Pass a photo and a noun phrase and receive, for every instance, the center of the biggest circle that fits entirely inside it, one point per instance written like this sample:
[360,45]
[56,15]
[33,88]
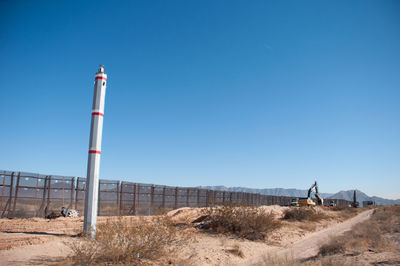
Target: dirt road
[309,246]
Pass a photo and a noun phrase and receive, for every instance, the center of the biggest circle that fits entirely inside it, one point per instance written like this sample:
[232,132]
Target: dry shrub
[120,242]
[303,214]
[339,208]
[161,211]
[247,222]
[236,250]
[345,213]
[334,246]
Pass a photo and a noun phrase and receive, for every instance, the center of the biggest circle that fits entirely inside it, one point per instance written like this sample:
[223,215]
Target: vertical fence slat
[71,199]
[121,198]
[16,194]
[152,199]
[135,198]
[2,190]
[176,198]
[8,204]
[163,197]
[198,197]
[187,196]
[46,210]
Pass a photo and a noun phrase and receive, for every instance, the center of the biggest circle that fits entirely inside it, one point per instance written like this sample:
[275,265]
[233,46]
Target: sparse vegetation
[369,235]
[304,214]
[247,222]
[345,213]
[121,242]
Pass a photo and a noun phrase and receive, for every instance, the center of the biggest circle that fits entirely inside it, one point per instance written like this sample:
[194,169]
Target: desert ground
[40,241]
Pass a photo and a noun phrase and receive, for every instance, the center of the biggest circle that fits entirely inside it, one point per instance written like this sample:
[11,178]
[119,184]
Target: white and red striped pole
[92,180]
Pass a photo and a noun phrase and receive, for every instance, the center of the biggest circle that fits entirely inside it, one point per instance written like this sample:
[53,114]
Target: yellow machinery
[308,201]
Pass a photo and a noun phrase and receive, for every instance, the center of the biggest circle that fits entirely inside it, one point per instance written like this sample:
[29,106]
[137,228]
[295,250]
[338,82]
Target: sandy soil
[40,241]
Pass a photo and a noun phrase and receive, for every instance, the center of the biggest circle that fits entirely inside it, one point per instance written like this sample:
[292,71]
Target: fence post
[135,198]
[163,197]
[48,195]
[187,196]
[223,197]
[40,211]
[37,186]
[121,199]
[198,197]
[16,194]
[8,204]
[118,196]
[71,202]
[2,190]
[176,197]
[99,197]
[77,194]
[151,200]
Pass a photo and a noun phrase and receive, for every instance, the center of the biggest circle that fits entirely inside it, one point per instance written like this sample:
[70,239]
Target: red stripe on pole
[97,113]
[94,151]
[101,78]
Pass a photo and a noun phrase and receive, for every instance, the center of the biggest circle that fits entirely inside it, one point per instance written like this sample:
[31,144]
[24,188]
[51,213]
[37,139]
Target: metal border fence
[35,195]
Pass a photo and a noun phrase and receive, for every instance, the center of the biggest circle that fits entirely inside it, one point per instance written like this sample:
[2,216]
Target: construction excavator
[308,201]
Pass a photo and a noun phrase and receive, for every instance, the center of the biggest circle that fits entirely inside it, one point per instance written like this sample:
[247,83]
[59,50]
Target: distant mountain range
[361,196]
[291,192]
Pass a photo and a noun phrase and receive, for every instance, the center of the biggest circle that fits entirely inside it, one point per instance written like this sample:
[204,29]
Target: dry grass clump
[236,250]
[121,242]
[333,247]
[247,222]
[303,214]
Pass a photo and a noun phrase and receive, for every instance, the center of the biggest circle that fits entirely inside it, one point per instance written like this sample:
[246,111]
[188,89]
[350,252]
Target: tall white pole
[92,180]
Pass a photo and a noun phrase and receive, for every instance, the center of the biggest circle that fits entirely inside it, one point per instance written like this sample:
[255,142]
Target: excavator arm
[310,189]
[308,201]
[320,200]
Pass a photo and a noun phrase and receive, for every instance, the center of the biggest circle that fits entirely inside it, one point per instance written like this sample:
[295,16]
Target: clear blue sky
[235,93]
